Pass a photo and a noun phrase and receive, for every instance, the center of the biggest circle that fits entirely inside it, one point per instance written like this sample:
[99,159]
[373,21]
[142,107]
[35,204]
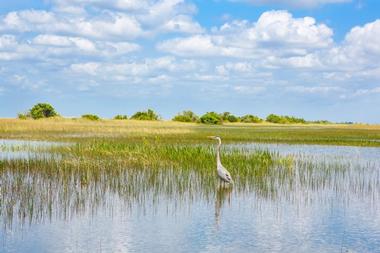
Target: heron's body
[223,173]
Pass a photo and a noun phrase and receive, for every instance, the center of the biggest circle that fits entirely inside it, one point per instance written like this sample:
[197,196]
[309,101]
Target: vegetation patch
[90,117]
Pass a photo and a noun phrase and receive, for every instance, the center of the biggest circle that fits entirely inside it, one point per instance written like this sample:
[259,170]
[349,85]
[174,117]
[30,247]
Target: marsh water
[327,201]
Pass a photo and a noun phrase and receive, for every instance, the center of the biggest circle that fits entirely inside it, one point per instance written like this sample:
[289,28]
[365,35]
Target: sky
[316,59]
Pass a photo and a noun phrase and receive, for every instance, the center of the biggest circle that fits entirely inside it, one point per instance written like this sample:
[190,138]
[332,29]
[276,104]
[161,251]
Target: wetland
[132,186]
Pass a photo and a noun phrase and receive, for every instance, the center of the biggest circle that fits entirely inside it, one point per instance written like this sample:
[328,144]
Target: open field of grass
[134,159]
[166,131]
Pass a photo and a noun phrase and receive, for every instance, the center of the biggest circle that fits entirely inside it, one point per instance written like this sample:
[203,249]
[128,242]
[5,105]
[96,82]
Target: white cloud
[357,55]
[107,20]
[275,33]
[106,26]
[90,68]
[46,46]
[295,3]
[11,49]
[281,29]
[200,45]
[249,89]
[364,42]
[138,71]
[183,24]
[314,89]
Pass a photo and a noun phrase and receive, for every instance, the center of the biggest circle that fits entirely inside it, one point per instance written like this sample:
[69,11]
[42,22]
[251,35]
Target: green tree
[23,115]
[120,117]
[284,119]
[250,119]
[90,117]
[186,116]
[145,115]
[212,118]
[232,118]
[42,110]
[227,116]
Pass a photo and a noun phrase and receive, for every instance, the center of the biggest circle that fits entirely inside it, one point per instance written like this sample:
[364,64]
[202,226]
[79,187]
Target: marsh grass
[143,162]
[133,130]
[91,173]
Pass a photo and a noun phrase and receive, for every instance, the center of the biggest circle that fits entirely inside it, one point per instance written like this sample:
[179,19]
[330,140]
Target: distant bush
[320,122]
[120,117]
[250,119]
[148,115]
[42,110]
[227,116]
[186,116]
[90,117]
[273,118]
[23,116]
[211,118]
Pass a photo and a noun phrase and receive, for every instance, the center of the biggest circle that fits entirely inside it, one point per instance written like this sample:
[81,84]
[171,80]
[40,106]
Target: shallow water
[330,202]
[24,149]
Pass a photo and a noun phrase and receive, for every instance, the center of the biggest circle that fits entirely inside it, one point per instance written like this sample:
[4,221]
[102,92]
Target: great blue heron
[223,174]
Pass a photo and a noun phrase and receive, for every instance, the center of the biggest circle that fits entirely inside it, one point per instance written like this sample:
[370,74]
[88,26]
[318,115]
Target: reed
[77,129]
[138,162]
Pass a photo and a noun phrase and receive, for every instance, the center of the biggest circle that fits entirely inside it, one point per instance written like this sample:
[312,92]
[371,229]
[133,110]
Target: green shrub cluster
[42,110]
[90,117]
[120,117]
[228,117]
[23,115]
[186,116]
[145,115]
[250,119]
[273,118]
[211,118]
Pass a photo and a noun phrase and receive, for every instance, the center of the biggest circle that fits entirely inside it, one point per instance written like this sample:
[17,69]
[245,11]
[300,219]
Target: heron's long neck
[218,154]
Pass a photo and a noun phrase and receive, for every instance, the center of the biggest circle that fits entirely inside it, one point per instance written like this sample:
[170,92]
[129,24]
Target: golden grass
[78,129]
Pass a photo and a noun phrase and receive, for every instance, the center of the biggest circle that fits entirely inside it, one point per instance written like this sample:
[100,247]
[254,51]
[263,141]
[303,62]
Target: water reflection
[306,207]
[25,149]
[223,196]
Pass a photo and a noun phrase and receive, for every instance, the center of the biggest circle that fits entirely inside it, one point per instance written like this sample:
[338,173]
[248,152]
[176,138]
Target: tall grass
[145,161]
[78,129]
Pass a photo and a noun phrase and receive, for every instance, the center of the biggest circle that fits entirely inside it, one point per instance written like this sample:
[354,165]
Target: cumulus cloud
[137,71]
[102,41]
[275,31]
[294,3]
[105,26]
[361,46]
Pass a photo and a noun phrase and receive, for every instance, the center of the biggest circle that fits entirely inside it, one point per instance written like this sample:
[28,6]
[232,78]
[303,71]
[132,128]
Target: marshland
[129,185]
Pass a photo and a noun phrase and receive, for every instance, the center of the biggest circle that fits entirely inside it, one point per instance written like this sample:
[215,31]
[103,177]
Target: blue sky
[317,59]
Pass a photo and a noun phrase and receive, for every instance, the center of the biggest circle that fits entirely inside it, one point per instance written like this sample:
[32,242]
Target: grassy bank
[169,132]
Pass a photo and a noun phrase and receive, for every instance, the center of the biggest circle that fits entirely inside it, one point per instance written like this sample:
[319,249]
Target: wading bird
[223,174]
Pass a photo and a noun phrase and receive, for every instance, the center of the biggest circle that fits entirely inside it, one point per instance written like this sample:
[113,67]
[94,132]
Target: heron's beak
[211,137]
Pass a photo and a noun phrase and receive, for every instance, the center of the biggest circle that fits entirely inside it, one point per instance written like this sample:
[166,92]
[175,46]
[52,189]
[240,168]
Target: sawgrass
[143,161]
[60,129]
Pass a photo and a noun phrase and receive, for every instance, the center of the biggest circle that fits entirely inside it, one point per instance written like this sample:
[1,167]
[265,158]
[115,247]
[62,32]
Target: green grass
[174,132]
[145,161]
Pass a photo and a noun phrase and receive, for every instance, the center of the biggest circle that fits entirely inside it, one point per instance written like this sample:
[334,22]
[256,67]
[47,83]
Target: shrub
[42,110]
[284,119]
[23,115]
[320,122]
[250,119]
[90,117]
[227,116]
[212,118]
[232,118]
[148,115]
[186,116]
[120,117]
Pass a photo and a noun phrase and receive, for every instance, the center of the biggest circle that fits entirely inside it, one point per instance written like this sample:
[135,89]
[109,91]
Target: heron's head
[215,138]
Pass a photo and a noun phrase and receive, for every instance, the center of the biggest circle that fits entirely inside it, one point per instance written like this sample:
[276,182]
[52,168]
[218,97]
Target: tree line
[45,110]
